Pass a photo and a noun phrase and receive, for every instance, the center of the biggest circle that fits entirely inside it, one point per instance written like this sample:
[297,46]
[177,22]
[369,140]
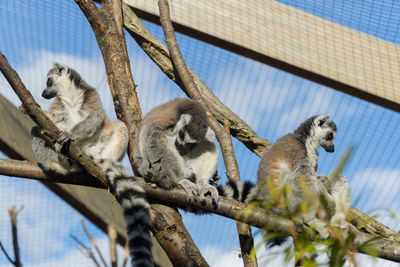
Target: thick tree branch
[107,27]
[113,48]
[223,135]
[160,55]
[388,247]
[33,110]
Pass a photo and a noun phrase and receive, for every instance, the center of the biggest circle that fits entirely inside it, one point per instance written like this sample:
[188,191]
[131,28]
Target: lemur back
[78,113]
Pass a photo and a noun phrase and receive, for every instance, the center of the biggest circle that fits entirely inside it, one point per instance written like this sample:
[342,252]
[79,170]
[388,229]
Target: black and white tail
[246,192]
[239,190]
[132,198]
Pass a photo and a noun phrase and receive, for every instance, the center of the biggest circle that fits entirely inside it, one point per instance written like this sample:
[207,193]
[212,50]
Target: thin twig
[6,254]
[93,243]
[88,251]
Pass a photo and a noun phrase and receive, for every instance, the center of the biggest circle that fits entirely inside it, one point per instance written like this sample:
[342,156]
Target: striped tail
[238,190]
[132,198]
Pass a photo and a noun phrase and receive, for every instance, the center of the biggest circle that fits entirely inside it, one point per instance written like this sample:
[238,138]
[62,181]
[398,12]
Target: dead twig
[93,243]
[87,251]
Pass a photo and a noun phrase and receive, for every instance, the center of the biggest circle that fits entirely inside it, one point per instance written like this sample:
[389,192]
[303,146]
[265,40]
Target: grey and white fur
[290,157]
[79,115]
[176,147]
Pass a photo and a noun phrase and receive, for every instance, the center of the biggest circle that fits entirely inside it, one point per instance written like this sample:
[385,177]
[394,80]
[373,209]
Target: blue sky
[34,34]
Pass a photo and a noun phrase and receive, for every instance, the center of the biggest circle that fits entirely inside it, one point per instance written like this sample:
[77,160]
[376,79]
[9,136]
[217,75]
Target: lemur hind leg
[50,160]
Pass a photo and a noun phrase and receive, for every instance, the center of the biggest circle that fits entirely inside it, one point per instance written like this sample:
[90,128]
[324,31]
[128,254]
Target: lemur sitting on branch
[79,115]
[290,160]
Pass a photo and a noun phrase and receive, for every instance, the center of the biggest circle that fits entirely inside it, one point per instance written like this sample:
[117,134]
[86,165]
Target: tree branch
[223,135]
[88,251]
[160,55]
[113,48]
[33,110]
[388,247]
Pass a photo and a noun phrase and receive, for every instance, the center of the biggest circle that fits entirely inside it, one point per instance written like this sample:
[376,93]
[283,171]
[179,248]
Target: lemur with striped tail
[78,113]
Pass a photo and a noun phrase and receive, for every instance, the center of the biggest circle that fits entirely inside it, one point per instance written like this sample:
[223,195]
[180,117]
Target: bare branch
[387,247]
[223,134]
[36,114]
[93,243]
[87,251]
[112,235]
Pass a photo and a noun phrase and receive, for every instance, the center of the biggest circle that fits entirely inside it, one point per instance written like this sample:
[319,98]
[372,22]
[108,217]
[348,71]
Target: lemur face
[325,132]
[55,76]
[190,129]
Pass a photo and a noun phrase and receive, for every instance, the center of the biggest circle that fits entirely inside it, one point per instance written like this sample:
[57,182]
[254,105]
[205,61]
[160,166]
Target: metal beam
[291,40]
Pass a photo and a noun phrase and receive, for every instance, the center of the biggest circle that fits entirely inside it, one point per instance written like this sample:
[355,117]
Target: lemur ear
[59,67]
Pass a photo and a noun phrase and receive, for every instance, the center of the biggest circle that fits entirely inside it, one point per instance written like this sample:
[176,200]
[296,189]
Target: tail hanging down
[132,198]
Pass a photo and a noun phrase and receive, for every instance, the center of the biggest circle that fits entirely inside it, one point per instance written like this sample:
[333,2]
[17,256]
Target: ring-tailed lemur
[290,157]
[175,146]
[79,115]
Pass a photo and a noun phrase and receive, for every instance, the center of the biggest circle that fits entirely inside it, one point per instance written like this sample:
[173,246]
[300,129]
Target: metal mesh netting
[34,34]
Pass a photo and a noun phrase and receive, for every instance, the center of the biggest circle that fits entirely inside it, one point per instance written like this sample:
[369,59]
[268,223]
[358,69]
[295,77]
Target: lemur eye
[49,82]
[181,135]
[321,122]
[329,137]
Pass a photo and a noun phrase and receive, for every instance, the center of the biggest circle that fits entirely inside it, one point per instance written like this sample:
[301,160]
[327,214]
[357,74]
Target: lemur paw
[191,189]
[63,138]
[207,189]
